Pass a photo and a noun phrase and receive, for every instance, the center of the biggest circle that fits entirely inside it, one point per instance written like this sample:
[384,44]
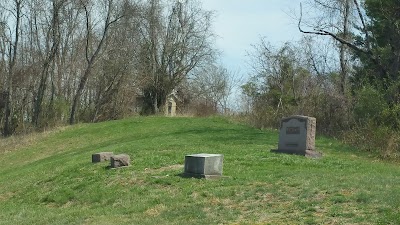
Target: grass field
[49,178]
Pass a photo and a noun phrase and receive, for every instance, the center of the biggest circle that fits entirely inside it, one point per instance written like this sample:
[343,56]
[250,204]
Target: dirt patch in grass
[6,196]
[156,211]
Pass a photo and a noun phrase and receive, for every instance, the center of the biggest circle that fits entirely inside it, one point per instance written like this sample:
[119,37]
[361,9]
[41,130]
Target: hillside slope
[53,181]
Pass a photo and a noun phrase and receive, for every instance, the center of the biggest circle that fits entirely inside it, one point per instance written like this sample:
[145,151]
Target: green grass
[51,180]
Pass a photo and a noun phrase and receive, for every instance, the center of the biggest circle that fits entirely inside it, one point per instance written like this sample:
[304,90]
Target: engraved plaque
[292,130]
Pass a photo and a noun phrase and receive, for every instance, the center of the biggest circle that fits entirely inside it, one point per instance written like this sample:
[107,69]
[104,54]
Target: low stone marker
[203,165]
[297,136]
[101,157]
[120,161]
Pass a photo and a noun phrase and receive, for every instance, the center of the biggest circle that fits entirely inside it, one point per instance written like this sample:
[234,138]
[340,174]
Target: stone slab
[101,157]
[203,165]
[120,161]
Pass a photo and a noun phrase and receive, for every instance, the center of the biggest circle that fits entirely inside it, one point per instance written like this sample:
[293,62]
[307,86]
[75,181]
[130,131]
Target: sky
[240,23]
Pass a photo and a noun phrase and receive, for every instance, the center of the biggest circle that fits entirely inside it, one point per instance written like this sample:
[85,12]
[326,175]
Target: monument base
[202,176]
[306,153]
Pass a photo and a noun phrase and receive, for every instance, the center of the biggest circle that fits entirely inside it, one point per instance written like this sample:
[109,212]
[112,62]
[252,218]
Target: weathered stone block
[203,165]
[120,160]
[101,157]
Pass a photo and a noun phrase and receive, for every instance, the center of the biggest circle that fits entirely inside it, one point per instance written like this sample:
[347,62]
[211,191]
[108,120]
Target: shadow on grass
[108,167]
[200,176]
[186,176]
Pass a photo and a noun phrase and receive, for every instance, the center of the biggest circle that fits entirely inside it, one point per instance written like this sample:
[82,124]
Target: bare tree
[53,36]
[334,18]
[278,70]
[115,83]
[44,81]
[346,9]
[91,57]
[13,44]
[174,48]
[214,85]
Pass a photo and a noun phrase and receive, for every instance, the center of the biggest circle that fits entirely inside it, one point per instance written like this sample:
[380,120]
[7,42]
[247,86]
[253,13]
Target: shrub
[374,138]
[390,116]
[369,105]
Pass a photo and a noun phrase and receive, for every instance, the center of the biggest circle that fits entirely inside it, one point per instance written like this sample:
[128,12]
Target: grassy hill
[50,179]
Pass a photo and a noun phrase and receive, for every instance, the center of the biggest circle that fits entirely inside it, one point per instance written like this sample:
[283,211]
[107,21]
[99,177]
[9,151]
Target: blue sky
[241,23]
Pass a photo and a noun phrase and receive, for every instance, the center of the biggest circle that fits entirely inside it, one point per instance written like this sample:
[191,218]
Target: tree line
[69,61]
[345,71]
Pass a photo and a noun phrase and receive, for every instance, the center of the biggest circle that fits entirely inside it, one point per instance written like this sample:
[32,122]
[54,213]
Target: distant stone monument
[120,161]
[170,105]
[101,157]
[203,165]
[297,136]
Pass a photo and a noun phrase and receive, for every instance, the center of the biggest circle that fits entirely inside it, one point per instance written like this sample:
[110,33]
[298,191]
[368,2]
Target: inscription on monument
[292,130]
[292,144]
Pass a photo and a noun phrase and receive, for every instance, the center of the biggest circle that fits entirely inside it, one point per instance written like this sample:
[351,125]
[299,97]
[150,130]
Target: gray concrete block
[203,165]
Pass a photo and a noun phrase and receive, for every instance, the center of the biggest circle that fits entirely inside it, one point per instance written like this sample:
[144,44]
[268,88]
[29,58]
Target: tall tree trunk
[8,123]
[343,47]
[154,52]
[155,102]
[48,61]
[79,91]
[92,59]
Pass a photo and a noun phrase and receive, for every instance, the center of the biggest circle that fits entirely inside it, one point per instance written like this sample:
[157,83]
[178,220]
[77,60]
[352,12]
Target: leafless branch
[343,41]
[363,24]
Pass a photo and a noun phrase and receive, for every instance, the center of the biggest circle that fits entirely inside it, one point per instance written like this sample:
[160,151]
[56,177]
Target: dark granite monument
[101,157]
